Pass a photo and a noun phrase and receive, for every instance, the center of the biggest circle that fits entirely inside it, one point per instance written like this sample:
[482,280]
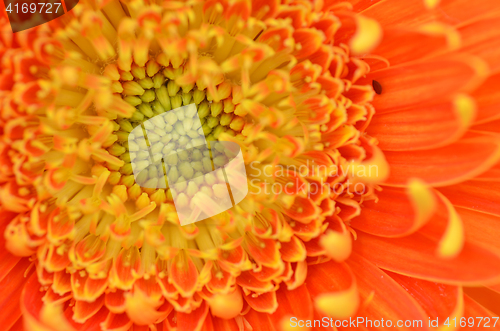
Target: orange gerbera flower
[371,139]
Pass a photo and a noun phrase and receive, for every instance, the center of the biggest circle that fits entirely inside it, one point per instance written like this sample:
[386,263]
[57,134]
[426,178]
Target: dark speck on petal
[377,87]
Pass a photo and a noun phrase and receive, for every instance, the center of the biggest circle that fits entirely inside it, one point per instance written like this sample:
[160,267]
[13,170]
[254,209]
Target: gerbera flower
[377,119]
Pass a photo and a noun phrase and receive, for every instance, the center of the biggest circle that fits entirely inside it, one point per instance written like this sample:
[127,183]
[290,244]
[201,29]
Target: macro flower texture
[378,120]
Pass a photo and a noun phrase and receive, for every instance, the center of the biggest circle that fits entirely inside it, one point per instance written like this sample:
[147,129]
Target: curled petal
[415,256]
[226,306]
[367,37]
[265,302]
[142,309]
[85,310]
[40,317]
[397,212]
[334,289]
[429,127]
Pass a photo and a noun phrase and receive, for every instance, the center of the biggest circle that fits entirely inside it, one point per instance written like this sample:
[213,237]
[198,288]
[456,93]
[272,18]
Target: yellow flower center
[153,91]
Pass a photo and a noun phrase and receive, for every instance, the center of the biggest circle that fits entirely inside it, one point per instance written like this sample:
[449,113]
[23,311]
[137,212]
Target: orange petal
[423,127]
[8,259]
[332,86]
[337,241]
[232,259]
[315,110]
[373,169]
[322,57]
[307,42]
[194,320]
[264,251]
[299,275]
[62,282]
[445,226]
[12,286]
[375,287]
[479,38]
[51,260]
[221,280]
[32,302]
[185,305]
[490,126]
[360,94]
[298,74]
[263,320]
[85,310]
[342,136]
[334,289]
[293,251]
[480,228]
[314,248]
[475,195]
[295,13]
[18,326]
[240,9]
[208,324]
[85,288]
[427,81]
[39,316]
[267,274]
[397,212]
[264,303]
[90,249]
[412,13]
[475,310]
[447,300]
[264,9]
[356,113]
[115,301]
[415,256]
[295,303]
[401,45]
[487,97]
[495,287]
[92,324]
[115,322]
[307,231]
[357,68]
[141,306]
[248,281]
[183,274]
[303,210]
[126,268]
[225,324]
[467,158]
[17,238]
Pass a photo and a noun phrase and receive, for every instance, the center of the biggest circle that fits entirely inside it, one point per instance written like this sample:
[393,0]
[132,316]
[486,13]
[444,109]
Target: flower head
[369,142]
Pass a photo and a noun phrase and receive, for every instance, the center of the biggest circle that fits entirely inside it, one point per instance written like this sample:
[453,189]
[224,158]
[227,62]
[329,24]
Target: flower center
[154,92]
